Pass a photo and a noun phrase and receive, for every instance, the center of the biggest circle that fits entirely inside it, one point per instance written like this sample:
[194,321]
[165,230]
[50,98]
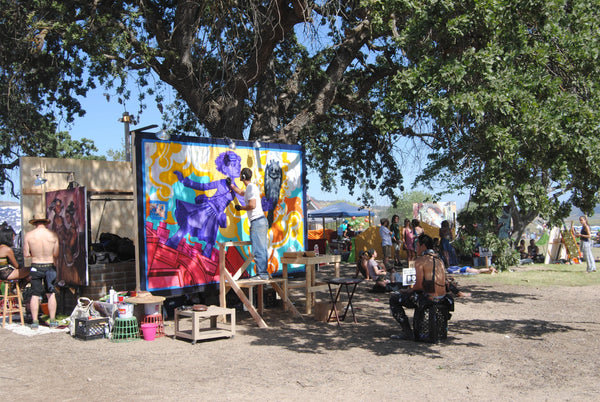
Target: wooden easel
[233,281]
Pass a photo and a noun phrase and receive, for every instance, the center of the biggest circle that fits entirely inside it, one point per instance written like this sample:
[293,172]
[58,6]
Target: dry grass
[539,275]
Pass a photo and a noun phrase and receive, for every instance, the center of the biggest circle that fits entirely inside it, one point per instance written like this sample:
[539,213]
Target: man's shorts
[43,279]
[387,251]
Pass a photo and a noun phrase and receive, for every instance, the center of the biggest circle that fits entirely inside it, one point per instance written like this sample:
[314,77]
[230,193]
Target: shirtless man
[430,280]
[41,245]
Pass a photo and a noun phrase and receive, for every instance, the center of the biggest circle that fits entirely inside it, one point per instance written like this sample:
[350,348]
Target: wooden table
[311,261]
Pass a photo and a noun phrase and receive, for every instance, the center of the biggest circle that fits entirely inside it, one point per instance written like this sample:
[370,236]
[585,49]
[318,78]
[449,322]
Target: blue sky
[101,124]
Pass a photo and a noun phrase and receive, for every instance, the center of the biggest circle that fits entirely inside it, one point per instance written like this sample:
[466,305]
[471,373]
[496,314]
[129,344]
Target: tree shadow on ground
[484,293]
[525,329]
[375,326]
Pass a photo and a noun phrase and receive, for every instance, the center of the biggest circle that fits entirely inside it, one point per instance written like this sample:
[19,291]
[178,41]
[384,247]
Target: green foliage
[504,256]
[505,94]
[500,96]
[478,227]
[39,79]
[404,204]
[465,244]
[117,154]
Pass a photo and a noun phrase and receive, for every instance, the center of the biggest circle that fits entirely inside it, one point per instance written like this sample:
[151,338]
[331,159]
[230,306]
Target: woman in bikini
[9,267]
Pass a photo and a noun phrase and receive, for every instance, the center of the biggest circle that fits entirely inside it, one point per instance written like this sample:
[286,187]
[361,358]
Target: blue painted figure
[203,218]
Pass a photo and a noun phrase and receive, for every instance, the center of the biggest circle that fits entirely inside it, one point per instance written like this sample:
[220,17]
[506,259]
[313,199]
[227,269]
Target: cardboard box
[322,310]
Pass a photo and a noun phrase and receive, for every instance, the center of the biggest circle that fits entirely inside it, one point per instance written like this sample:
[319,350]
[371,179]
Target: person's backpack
[125,249]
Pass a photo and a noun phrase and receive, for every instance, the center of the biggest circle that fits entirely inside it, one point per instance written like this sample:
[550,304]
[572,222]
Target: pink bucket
[149,331]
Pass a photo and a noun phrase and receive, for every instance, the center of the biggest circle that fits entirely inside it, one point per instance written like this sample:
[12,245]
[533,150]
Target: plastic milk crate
[95,328]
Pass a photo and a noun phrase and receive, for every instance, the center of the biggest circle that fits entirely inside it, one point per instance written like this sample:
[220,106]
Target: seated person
[361,265]
[430,282]
[376,270]
[523,253]
[385,281]
[436,245]
[343,231]
[533,251]
[9,267]
[522,250]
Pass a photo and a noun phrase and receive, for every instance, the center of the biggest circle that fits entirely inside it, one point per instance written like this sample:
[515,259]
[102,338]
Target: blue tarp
[339,210]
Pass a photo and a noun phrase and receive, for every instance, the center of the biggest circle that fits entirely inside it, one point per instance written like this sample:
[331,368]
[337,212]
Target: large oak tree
[508,95]
[500,95]
[38,82]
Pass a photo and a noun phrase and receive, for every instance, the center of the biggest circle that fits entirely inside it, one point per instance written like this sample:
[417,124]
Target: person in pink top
[409,240]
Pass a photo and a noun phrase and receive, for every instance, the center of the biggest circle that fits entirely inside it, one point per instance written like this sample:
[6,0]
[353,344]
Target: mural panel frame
[185,208]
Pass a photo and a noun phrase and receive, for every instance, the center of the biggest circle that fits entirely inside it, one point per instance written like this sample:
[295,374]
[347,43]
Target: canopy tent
[339,210]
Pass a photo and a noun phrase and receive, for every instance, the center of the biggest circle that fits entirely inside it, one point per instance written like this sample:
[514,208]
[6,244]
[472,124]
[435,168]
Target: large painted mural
[66,210]
[186,209]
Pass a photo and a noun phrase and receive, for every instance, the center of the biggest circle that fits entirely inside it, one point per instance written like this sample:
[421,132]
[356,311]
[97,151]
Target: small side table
[342,282]
[198,332]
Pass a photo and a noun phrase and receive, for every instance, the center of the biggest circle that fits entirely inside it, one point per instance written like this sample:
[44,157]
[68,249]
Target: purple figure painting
[203,218]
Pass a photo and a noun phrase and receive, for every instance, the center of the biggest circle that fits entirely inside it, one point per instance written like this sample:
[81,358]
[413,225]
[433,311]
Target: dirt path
[505,343]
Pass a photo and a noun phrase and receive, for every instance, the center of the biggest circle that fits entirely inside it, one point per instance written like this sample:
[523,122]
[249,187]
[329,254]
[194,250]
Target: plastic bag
[83,309]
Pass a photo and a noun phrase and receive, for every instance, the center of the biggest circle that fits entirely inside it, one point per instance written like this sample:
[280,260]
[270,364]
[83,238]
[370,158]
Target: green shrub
[504,256]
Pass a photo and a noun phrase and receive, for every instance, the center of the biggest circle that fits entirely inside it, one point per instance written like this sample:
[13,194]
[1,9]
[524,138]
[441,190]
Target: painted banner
[435,213]
[66,210]
[186,209]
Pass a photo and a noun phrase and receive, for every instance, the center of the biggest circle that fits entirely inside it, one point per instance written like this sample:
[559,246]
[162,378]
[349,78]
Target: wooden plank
[321,259]
[204,334]
[222,288]
[285,297]
[249,283]
[241,270]
[227,280]
[240,293]
[318,288]
[296,284]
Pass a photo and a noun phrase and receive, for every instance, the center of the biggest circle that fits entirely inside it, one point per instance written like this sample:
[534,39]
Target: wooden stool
[11,303]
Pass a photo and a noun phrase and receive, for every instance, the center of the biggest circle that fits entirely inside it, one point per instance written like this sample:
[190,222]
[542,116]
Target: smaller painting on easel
[568,240]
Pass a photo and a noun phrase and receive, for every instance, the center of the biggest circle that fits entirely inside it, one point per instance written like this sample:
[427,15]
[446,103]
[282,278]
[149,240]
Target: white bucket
[125,310]
[151,308]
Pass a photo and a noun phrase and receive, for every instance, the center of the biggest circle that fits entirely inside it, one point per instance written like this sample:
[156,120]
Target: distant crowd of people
[395,238]
[529,254]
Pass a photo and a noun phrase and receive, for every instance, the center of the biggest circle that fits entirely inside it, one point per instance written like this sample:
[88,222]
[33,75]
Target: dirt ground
[505,343]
